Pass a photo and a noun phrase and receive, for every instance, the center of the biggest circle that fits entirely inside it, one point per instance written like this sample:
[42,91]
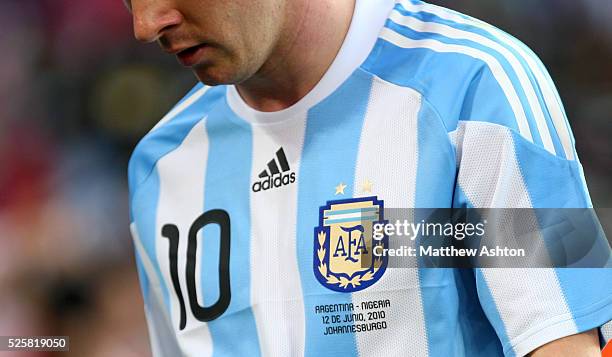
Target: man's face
[223,41]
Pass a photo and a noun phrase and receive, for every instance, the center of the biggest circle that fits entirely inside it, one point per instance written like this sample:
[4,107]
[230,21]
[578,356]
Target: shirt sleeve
[505,160]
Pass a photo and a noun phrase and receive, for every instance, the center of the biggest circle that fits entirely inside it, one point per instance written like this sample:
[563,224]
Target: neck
[302,55]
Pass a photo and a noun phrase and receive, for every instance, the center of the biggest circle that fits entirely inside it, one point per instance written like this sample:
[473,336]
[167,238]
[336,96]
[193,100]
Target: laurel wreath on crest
[342,281]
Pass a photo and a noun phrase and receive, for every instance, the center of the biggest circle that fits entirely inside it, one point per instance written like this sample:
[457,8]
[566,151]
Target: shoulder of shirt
[170,131]
[454,60]
[439,53]
[412,51]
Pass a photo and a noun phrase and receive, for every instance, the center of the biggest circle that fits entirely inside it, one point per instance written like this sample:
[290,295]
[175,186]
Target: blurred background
[76,94]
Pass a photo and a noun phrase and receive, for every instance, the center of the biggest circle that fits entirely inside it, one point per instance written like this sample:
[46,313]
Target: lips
[191,55]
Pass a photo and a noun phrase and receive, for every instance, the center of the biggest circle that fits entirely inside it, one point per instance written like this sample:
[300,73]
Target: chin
[216,75]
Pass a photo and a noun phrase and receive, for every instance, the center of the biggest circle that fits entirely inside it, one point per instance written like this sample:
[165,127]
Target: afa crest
[344,257]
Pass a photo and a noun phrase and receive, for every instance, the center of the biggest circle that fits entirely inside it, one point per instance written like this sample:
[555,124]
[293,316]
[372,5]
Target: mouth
[192,55]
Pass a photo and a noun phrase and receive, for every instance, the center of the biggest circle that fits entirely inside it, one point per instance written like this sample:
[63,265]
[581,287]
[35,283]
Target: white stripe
[181,107]
[156,315]
[529,302]
[450,32]
[490,177]
[276,289]
[358,216]
[496,68]
[489,173]
[181,201]
[548,90]
[152,327]
[387,157]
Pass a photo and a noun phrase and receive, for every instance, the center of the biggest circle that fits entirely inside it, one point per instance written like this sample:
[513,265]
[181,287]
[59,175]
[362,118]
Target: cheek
[258,43]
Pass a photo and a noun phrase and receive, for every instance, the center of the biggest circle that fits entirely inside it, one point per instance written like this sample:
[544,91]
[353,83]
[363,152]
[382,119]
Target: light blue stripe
[487,334]
[445,293]
[551,182]
[344,220]
[336,122]
[227,187]
[353,210]
[437,165]
[588,293]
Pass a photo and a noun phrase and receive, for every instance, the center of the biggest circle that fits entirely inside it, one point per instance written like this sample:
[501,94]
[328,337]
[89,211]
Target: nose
[152,20]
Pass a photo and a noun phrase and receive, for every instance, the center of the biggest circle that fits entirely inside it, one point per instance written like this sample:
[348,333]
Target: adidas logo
[273,176]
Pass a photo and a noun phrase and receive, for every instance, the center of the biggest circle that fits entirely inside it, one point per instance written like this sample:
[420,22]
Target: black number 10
[171,232]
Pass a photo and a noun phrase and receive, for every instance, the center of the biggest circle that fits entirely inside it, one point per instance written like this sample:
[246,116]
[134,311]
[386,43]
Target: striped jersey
[242,220]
